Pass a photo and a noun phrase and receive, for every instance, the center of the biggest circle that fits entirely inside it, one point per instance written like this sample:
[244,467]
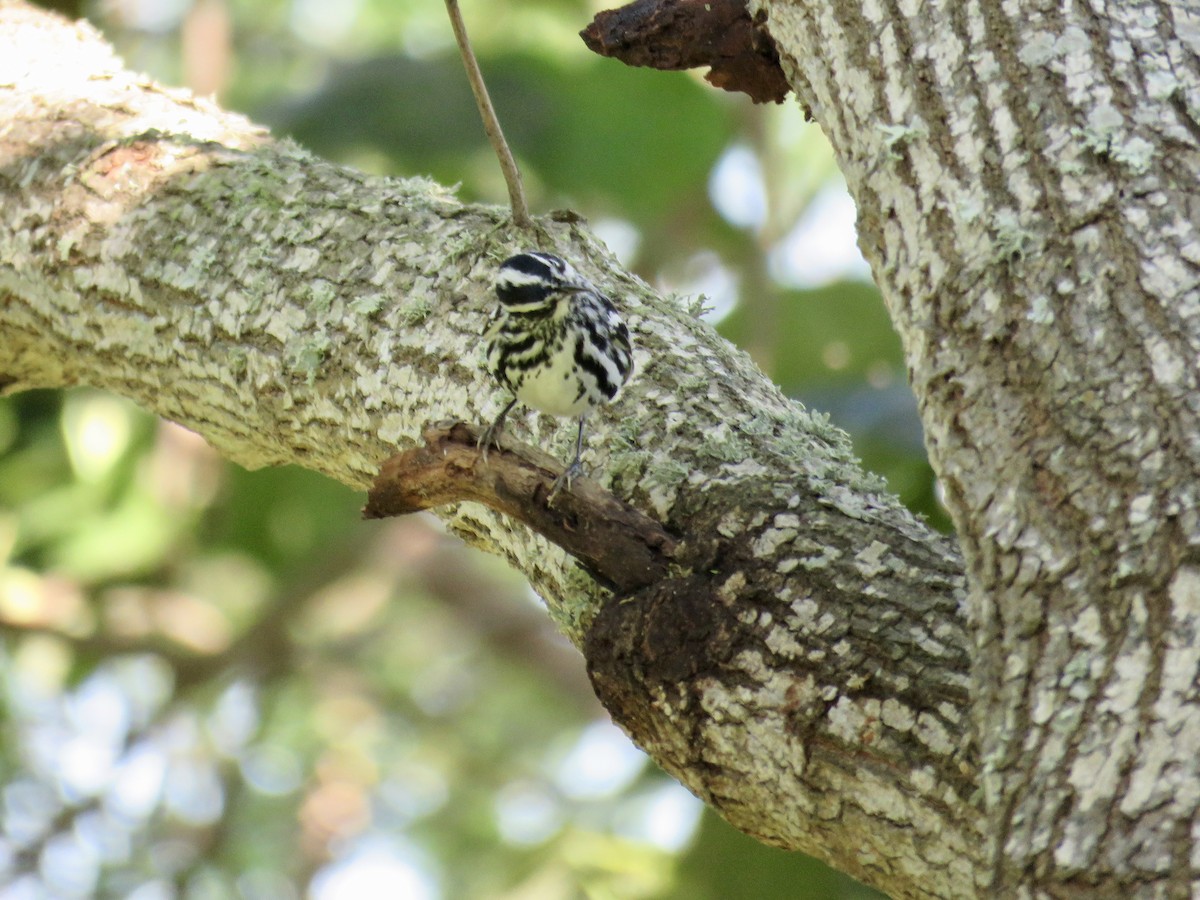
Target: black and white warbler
[557,343]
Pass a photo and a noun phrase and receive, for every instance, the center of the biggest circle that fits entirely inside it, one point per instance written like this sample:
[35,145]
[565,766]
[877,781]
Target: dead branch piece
[686,34]
[615,543]
[491,123]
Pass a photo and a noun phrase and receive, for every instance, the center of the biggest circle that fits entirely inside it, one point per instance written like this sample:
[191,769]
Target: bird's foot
[490,438]
[574,470]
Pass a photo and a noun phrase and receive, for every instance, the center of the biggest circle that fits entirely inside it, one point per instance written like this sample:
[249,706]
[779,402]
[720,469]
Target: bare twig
[616,543]
[491,124]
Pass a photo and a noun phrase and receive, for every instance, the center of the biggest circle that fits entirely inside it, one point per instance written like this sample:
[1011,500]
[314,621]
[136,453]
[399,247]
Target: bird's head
[530,282]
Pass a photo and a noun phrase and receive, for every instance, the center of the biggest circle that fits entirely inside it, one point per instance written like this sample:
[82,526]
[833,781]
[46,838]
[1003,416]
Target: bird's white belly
[554,388]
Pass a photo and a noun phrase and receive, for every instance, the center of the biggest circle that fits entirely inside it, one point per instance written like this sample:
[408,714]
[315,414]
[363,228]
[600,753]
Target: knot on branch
[657,643]
[618,545]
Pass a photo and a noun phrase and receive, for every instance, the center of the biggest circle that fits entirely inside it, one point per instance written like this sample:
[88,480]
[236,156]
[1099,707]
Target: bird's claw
[491,437]
[487,440]
[574,470]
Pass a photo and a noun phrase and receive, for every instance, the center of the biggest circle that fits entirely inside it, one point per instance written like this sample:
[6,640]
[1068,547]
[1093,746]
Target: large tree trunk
[804,666]
[1028,183]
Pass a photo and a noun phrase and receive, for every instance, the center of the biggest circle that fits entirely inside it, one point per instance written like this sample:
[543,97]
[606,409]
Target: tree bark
[1026,176]
[1026,183]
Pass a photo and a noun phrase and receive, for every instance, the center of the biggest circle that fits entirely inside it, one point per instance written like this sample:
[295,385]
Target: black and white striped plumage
[556,342]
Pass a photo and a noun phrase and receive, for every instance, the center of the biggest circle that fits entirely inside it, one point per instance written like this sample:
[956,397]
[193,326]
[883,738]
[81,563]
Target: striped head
[534,282]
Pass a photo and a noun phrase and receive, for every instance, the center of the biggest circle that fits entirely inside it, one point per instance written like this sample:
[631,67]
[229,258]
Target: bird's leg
[491,437]
[573,470]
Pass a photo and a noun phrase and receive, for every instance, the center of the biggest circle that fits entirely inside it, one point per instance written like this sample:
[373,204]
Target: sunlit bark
[1026,176]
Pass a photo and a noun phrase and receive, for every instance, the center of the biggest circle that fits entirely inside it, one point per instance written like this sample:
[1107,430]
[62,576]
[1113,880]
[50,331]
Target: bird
[557,343]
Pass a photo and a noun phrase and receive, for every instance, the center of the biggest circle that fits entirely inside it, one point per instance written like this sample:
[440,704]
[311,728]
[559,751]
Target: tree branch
[620,547]
[803,663]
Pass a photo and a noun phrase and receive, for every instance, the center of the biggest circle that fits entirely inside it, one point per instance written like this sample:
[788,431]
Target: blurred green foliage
[568,127]
[219,683]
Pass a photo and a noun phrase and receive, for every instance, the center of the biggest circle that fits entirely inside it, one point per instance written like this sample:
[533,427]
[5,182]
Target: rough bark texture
[804,666]
[1026,176]
[687,34]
